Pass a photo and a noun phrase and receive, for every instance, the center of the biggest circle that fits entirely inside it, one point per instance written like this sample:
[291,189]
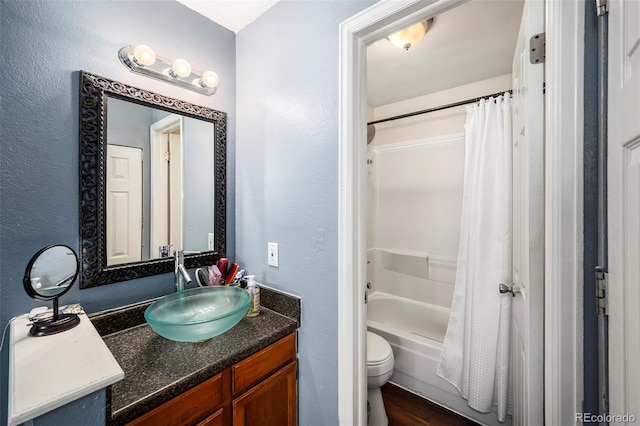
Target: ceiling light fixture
[410,36]
[142,59]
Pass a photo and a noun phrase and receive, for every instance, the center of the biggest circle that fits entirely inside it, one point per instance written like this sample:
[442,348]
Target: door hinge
[167,156]
[601,291]
[601,7]
[537,48]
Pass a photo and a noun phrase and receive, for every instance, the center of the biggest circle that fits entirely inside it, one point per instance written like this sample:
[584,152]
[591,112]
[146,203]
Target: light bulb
[409,36]
[210,79]
[181,68]
[144,55]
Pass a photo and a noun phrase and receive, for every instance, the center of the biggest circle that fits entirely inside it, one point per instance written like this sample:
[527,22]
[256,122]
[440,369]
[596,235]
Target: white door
[124,204]
[527,352]
[624,208]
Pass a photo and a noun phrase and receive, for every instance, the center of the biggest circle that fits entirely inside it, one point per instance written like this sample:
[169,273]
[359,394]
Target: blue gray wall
[287,176]
[85,411]
[43,46]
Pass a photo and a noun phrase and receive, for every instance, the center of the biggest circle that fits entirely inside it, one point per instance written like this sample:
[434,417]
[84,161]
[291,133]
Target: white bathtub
[411,320]
[415,331]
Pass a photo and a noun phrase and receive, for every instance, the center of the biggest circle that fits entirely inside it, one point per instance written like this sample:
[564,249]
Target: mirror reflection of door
[177,201]
[124,204]
[166,184]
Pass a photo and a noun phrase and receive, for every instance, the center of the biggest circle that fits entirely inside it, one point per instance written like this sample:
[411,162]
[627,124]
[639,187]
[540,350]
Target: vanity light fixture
[411,35]
[142,59]
[180,68]
[144,55]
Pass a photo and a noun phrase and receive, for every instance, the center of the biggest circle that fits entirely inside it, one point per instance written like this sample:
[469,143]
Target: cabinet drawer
[190,407]
[260,365]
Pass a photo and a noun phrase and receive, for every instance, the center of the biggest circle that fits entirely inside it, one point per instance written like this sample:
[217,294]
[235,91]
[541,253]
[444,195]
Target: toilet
[379,369]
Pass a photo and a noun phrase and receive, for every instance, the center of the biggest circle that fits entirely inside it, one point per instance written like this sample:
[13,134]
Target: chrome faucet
[182,278]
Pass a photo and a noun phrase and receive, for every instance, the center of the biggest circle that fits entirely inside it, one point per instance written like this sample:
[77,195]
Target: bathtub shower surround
[475,353]
[409,308]
[415,195]
[413,261]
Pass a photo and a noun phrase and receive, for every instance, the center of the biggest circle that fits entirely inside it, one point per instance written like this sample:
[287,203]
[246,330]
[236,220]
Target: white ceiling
[468,43]
[471,42]
[231,14]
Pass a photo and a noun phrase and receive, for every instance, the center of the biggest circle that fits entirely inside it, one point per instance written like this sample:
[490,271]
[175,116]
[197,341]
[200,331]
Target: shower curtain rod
[440,108]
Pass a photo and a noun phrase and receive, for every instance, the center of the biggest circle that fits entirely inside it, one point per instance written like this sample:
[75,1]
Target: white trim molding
[367,26]
[564,325]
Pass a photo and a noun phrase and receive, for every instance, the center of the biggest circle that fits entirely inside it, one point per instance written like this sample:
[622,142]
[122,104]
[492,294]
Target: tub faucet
[182,278]
[164,250]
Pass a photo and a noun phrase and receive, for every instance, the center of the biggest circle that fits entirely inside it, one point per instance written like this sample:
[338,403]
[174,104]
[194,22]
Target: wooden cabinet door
[272,402]
[216,419]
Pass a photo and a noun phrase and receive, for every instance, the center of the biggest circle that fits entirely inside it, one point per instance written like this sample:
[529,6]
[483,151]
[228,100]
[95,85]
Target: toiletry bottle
[254,291]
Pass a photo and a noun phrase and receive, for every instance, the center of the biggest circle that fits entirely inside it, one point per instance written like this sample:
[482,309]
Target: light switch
[272,253]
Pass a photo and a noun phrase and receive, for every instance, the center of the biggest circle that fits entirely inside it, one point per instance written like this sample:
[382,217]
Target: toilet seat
[379,355]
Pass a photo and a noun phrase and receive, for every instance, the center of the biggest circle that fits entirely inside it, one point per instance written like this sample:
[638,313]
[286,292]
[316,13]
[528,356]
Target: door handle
[506,289]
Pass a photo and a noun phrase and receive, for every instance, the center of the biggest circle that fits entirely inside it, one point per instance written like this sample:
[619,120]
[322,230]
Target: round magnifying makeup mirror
[50,274]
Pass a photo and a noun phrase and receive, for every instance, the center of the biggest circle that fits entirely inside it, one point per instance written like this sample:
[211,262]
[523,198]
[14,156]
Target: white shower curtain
[475,353]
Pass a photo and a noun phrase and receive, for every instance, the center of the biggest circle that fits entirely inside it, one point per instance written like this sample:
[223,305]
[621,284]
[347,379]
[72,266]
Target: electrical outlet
[272,253]
[210,241]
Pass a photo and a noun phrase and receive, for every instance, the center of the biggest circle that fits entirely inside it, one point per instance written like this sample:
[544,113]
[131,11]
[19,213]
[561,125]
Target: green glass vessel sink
[199,313]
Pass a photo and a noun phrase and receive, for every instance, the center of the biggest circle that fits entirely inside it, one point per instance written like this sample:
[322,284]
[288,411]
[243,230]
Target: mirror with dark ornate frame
[105,107]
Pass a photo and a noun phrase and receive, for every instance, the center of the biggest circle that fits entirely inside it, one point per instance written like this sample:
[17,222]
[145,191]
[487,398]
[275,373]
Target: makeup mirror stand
[57,324]
[56,269]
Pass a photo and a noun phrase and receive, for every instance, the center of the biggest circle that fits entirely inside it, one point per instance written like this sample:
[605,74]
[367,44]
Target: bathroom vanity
[247,375]
[258,390]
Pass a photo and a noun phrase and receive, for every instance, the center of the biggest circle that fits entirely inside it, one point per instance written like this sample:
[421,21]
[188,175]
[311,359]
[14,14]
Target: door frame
[564,23]
[157,129]
[564,201]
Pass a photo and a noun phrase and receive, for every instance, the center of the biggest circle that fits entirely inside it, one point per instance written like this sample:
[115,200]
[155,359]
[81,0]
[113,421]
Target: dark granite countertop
[157,369]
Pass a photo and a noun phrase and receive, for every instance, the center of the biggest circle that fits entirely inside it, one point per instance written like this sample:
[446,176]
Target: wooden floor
[407,409]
